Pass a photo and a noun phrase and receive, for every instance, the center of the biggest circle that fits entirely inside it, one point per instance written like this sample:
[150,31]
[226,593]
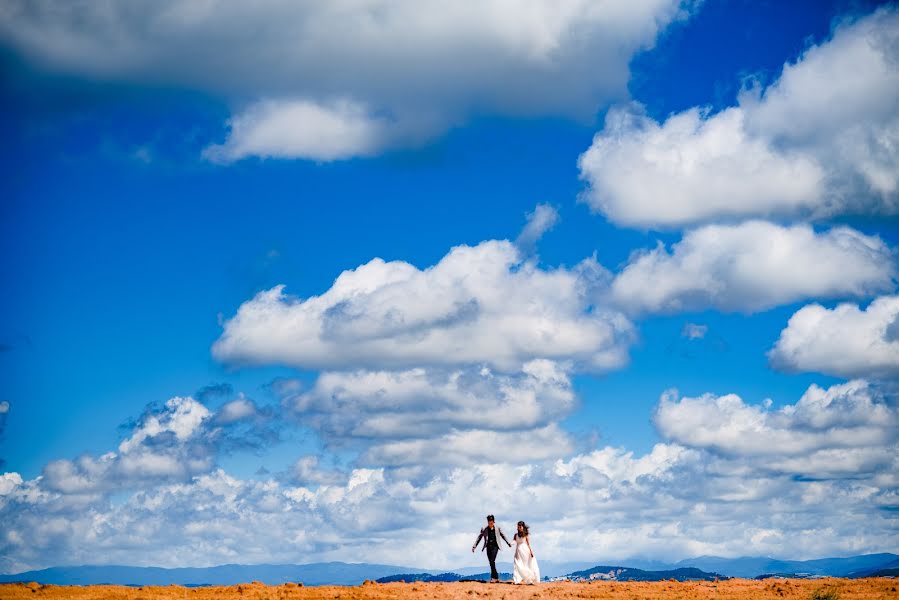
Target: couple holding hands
[525,565]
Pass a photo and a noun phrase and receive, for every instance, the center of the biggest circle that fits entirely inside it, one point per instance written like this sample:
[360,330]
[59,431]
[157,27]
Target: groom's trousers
[491,556]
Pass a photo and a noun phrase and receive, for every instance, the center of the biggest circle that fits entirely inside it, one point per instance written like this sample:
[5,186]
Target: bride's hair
[524,527]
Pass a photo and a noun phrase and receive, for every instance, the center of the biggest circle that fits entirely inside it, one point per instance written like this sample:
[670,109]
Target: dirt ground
[739,589]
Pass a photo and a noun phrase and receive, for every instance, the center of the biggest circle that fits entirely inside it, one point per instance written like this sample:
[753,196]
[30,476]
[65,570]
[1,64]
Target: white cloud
[460,448]
[692,168]
[846,341]
[754,266]
[672,502]
[542,219]
[805,480]
[849,428]
[694,331]
[303,129]
[539,58]
[307,471]
[821,140]
[4,413]
[609,464]
[236,410]
[92,475]
[84,475]
[429,418]
[182,418]
[478,305]
[422,403]
[175,442]
[839,103]
[149,464]
[9,482]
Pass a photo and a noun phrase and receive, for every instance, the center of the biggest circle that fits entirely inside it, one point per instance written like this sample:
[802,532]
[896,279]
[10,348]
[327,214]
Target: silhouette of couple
[525,568]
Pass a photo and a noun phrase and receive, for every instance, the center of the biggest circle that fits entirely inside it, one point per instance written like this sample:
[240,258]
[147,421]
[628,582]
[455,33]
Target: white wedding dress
[525,566]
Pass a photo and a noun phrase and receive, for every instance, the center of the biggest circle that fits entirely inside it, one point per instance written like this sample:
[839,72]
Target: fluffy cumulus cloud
[478,305]
[692,168]
[322,95]
[838,104]
[423,416]
[174,442]
[474,446]
[847,340]
[754,266]
[827,474]
[421,420]
[821,140]
[167,444]
[301,128]
[847,430]
[239,409]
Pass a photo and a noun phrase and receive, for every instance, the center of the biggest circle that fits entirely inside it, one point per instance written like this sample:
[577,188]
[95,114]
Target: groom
[491,544]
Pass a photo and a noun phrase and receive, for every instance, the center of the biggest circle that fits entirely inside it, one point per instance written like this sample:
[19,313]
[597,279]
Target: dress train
[525,568]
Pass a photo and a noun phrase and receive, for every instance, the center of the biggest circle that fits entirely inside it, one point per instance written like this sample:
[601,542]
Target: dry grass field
[738,589]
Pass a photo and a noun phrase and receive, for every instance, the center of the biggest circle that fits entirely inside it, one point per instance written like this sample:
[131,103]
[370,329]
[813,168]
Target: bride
[526,569]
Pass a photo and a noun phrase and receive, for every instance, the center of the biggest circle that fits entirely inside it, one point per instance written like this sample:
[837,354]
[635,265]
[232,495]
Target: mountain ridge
[341,573]
[322,573]
[753,566]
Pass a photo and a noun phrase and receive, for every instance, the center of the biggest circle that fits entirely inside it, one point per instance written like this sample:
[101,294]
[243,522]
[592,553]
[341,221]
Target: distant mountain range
[752,566]
[339,573]
[330,573]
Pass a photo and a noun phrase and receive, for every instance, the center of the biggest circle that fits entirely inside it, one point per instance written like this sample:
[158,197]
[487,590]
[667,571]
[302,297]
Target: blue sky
[670,207]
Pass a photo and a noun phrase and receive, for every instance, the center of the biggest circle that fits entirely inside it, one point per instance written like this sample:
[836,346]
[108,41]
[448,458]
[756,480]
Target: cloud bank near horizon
[830,466]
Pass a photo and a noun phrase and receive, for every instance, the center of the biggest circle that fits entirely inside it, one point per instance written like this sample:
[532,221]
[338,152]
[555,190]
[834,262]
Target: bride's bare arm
[527,538]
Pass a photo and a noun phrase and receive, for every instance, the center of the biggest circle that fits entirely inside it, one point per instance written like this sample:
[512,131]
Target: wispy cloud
[543,218]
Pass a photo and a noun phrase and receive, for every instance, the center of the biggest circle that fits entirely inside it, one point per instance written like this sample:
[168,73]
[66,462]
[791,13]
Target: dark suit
[491,545]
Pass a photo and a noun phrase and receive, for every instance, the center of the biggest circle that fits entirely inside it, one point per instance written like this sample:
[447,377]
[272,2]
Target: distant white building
[612,574]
